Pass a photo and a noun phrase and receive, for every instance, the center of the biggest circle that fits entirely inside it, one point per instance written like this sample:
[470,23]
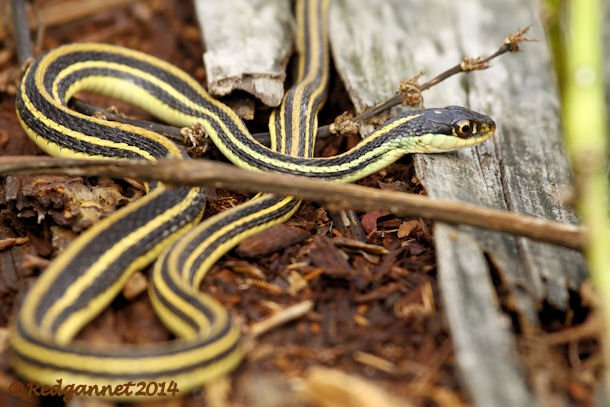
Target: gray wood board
[248,43]
[375,45]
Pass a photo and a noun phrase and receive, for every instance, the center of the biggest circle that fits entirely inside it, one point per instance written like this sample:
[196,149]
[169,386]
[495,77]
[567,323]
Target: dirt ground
[376,312]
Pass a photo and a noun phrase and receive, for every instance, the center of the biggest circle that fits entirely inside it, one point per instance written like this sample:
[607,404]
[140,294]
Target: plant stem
[580,55]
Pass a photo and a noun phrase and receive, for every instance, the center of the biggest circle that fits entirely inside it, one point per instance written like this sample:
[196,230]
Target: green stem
[584,120]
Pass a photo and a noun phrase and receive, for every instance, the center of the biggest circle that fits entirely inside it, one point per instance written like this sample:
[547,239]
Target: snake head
[468,124]
[449,128]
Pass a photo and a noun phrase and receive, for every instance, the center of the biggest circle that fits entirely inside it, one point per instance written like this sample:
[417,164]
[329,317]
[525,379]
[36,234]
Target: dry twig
[410,95]
[336,196]
[281,317]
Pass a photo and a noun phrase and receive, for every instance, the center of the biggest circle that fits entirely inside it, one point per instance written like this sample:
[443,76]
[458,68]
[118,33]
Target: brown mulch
[376,314]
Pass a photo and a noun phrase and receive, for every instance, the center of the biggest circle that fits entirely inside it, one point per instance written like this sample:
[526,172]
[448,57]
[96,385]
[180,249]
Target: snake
[164,225]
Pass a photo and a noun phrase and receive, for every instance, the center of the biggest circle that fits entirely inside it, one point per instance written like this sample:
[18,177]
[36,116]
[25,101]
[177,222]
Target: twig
[171,132]
[336,196]
[22,31]
[92,110]
[591,328]
[511,44]
[410,91]
[281,317]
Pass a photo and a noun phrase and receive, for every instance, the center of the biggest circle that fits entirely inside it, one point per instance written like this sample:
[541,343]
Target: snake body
[85,278]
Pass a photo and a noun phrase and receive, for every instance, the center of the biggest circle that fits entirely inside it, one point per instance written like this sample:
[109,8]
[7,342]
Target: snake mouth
[439,143]
[484,135]
[486,130]
[490,128]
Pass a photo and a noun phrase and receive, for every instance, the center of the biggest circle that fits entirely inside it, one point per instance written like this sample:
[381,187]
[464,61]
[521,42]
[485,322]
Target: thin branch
[511,44]
[170,132]
[22,31]
[279,318]
[336,196]
[410,90]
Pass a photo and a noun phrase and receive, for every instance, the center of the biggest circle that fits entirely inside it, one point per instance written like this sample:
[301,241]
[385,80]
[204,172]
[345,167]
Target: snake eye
[464,128]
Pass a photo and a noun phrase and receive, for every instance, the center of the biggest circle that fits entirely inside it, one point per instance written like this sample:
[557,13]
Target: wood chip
[271,240]
[288,314]
[263,285]
[398,186]
[406,228]
[69,201]
[325,255]
[381,292]
[33,262]
[313,274]
[375,362]
[371,258]
[333,388]
[417,303]
[360,320]
[102,330]
[296,283]
[245,268]
[62,13]
[354,244]
[12,241]
[218,392]
[137,323]
[61,237]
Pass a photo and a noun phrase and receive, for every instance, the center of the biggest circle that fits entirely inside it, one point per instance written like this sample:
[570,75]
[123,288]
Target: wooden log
[248,43]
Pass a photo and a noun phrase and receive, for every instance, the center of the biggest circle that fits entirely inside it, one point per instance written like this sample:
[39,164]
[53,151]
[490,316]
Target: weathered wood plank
[248,43]
[470,298]
[375,45]
[378,43]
